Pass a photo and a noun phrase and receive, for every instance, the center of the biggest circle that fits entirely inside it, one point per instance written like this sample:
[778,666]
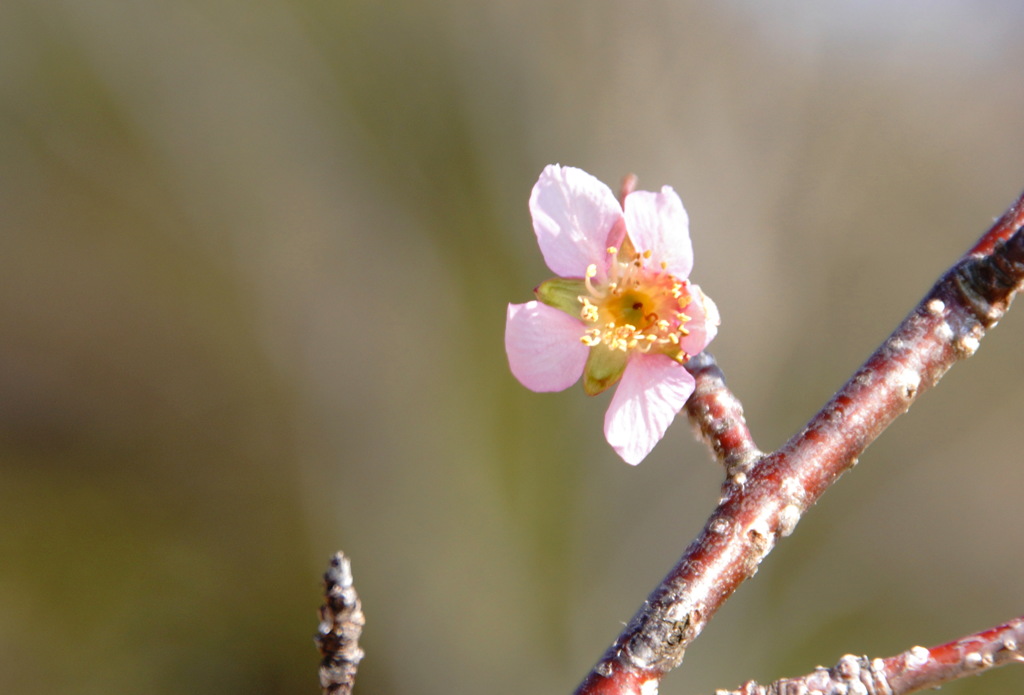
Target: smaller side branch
[913,670]
[341,623]
[921,668]
[717,415]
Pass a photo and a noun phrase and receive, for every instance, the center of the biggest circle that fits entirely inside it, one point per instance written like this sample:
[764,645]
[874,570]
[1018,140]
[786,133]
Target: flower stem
[717,415]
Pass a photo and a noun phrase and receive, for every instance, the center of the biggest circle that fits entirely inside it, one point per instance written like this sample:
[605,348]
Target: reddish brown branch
[341,623]
[946,326]
[717,415]
[913,670]
[921,668]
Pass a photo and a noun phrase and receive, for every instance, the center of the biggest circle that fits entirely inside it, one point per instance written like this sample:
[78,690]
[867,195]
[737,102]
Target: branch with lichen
[765,495]
[341,623]
[908,672]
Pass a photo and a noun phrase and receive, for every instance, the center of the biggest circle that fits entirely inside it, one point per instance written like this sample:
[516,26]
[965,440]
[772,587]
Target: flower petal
[653,389]
[573,214]
[657,222]
[543,346]
[703,324]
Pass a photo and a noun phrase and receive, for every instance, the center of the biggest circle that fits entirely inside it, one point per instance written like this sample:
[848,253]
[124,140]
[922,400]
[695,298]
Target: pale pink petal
[573,214]
[703,324]
[657,222]
[543,346]
[653,389]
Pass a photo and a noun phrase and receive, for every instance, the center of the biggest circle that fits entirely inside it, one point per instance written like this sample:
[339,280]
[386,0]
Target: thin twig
[717,415]
[913,670]
[341,623]
[945,327]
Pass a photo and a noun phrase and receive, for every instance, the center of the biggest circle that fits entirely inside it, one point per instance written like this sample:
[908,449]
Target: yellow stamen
[635,307]
[589,311]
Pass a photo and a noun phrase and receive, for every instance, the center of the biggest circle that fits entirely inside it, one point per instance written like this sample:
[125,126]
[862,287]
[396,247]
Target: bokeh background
[254,263]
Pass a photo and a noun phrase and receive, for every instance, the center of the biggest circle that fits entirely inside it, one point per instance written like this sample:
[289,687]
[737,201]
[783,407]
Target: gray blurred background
[254,262]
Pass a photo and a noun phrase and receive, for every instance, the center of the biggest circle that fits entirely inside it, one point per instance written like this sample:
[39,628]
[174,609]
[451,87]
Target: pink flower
[622,309]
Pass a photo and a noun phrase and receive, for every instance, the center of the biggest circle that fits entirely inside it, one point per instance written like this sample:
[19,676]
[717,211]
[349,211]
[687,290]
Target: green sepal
[563,294]
[603,369]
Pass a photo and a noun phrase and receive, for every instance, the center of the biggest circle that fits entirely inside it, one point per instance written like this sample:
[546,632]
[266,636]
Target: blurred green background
[254,262]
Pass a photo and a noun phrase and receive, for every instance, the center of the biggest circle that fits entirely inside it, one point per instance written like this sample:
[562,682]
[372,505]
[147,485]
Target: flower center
[638,308]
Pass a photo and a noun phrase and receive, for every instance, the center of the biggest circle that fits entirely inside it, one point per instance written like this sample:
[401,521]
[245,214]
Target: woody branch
[908,672]
[764,503]
[341,624]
